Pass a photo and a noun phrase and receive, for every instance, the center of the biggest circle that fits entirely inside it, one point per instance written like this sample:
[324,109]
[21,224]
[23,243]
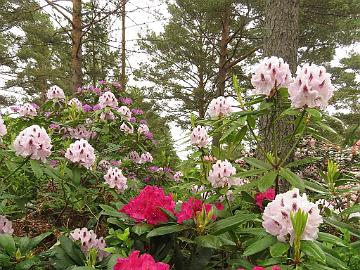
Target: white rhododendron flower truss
[27,110]
[108,99]
[5,226]
[311,88]
[33,142]
[199,137]
[219,107]
[134,156]
[143,129]
[55,93]
[127,128]
[221,175]
[3,130]
[125,112]
[115,179]
[80,132]
[88,239]
[145,157]
[271,74]
[178,176]
[276,216]
[74,102]
[81,152]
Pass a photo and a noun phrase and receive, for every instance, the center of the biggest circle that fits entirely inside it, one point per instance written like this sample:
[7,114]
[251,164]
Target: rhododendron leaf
[279,249]
[109,211]
[76,176]
[342,225]
[168,213]
[353,209]
[166,230]
[35,241]
[72,250]
[260,245]
[5,261]
[36,168]
[317,266]
[8,244]
[313,186]
[228,132]
[325,127]
[312,249]
[230,223]
[267,181]
[258,163]
[250,173]
[141,228]
[213,241]
[253,231]
[329,238]
[292,178]
[314,113]
[303,161]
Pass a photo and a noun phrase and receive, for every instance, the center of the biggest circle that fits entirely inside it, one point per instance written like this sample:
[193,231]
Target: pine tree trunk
[76,52]
[281,40]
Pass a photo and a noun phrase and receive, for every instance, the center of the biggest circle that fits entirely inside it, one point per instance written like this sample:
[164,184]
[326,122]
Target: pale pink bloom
[81,152]
[219,107]
[271,73]
[80,132]
[107,116]
[221,174]
[199,137]
[5,226]
[88,239]
[127,128]
[143,129]
[3,130]
[104,165]
[134,156]
[177,176]
[74,102]
[146,157]
[211,159]
[311,88]
[125,112]
[33,142]
[27,110]
[55,93]
[277,220]
[115,179]
[108,99]
[229,196]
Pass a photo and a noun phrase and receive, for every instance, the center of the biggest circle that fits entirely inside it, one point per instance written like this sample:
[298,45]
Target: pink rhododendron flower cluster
[146,157]
[74,102]
[81,152]
[193,206]
[219,107]
[88,239]
[3,130]
[125,112]
[127,128]
[104,165]
[5,226]
[134,156]
[143,129]
[33,142]
[177,176]
[142,262]
[107,116]
[311,88]
[268,195]
[277,220]
[27,110]
[220,175]
[108,99]
[199,137]
[146,206]
[115,179]
[271,74]
[126,100]
[80,132]
[55,93]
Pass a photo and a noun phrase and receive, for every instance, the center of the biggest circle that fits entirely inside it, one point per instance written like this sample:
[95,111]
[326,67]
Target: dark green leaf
[166,230]
[260,245]
[8,244]
[312,249]
[279,249]
[267,181]
[258,163]
[292,178]
[230,223]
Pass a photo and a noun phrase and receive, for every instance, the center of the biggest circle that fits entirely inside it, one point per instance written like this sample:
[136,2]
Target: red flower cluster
[267,195]
[136,262]
[146,206]
[192,206]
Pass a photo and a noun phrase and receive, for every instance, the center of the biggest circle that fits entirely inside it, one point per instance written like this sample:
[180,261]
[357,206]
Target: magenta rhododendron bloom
[146,206]
[5,226]
[87,108]
[33,141]
[266,195]
[193,206]
[277,213]
[219,107]
[311,88]
[126,100]
[142,262]
[55,93]
[271,73]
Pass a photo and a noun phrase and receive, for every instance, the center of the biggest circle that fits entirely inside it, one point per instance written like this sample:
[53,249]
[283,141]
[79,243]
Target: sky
[143,15]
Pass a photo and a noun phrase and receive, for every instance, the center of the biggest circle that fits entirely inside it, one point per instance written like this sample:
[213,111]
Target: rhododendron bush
[223,208]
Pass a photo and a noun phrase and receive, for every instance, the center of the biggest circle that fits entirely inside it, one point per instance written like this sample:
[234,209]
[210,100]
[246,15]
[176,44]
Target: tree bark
[281,40]
[123,43]
[76,52]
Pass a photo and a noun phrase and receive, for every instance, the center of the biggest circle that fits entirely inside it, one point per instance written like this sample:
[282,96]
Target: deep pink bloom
[193,206]
[87,108]
[142,262]
[276,267]
[146,206]
[126,101]
[267,195]
[96,107]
